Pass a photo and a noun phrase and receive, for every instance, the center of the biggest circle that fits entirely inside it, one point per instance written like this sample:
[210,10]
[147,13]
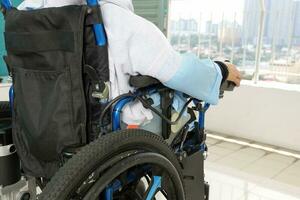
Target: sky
[207,8]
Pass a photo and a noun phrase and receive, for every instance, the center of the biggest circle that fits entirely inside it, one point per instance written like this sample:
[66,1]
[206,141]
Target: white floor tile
[273,176]
[280,158]
[269,166]
[213,157]
[211,141]
[232,186]
[289,179]
[230,146]
[217,150]
[241,158]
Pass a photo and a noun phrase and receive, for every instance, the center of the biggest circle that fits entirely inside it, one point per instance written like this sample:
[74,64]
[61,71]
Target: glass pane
[281,49]
[230,29]
[155,11]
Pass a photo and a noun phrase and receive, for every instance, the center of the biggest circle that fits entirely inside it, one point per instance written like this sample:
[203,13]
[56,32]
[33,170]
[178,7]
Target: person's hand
[234,75]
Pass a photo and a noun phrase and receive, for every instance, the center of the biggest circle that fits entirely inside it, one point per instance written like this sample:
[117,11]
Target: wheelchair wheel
[129,164]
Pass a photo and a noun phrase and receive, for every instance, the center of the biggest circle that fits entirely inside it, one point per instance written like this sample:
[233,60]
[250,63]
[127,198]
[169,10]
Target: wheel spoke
[154,187]
[109,193]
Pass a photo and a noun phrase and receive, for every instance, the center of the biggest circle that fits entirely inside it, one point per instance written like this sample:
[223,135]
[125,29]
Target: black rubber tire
[5,111]
[94,155]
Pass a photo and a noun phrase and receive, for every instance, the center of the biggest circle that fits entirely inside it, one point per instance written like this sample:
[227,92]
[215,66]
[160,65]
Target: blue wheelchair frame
[116,115]
[116,125]
[117,110]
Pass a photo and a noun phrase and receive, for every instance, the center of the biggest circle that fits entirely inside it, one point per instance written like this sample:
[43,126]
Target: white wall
[262,114]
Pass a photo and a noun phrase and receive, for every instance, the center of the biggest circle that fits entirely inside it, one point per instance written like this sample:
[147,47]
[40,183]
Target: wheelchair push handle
[228,86]
[98,28]
[6,4]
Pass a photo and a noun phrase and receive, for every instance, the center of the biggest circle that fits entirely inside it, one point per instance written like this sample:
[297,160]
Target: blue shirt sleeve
[198,78]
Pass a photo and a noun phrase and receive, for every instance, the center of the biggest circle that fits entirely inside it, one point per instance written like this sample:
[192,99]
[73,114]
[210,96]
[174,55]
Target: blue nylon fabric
[200,79]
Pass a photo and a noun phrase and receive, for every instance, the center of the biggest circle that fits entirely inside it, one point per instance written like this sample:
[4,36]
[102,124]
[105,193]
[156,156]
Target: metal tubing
[116,116]
[6,4]
[259,40]
[202,115]
[156,185]
[109,193]
[11,97]
[98,28]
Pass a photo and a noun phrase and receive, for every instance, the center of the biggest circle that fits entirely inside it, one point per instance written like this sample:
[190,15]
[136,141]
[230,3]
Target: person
[136,46]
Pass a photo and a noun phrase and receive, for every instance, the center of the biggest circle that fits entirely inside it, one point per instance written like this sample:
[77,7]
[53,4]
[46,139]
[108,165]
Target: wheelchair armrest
[141,81]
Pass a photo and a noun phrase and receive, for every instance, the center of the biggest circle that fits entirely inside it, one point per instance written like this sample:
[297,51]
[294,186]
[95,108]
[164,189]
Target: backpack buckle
[101,95]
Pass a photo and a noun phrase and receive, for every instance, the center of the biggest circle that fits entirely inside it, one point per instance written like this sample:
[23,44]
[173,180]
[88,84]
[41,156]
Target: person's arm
[200,79]
[151,54]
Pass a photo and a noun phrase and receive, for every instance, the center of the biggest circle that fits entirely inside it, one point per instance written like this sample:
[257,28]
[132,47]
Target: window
[232,29]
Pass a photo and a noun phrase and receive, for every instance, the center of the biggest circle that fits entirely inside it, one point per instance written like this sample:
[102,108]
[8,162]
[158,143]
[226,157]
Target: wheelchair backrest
[57,66]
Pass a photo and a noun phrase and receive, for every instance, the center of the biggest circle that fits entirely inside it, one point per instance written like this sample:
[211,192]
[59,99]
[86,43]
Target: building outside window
[231,30]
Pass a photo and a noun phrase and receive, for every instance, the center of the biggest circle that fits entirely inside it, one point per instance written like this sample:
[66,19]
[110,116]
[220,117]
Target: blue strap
[98,28]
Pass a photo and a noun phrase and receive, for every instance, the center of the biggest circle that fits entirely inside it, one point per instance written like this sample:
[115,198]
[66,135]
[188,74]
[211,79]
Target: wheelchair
[69,136]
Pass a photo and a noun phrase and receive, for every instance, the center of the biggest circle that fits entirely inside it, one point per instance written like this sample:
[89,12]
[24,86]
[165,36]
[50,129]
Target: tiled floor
[242,172]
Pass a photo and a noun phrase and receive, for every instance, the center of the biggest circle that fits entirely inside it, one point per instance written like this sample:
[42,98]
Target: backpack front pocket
[44,113]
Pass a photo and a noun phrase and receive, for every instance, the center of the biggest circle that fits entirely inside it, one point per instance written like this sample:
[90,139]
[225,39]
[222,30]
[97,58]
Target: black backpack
[56,68]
